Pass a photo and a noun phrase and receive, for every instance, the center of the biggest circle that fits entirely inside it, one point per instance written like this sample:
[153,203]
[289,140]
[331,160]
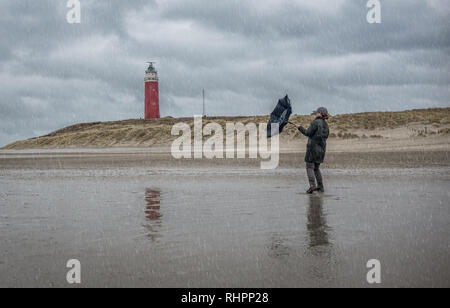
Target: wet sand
[143,220]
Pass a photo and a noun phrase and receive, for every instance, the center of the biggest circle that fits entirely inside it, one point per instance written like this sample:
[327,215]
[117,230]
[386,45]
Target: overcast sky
[245,53]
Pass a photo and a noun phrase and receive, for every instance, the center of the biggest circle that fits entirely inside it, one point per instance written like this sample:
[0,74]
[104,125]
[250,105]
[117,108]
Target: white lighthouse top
[151,74]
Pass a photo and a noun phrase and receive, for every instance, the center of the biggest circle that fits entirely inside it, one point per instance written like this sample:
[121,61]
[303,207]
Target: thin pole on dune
[204,114]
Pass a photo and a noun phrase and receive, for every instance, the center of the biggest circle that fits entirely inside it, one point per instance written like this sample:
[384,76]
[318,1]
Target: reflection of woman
[318,134]
[320,242]
[317,224]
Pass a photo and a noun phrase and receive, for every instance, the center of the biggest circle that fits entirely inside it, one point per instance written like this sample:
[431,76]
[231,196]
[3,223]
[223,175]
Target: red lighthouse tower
[151,93]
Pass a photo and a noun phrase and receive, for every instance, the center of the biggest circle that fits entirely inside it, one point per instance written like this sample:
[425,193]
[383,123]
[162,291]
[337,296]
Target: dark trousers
[313,171]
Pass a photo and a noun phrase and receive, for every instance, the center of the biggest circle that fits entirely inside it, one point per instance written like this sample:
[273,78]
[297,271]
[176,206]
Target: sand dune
[377,131]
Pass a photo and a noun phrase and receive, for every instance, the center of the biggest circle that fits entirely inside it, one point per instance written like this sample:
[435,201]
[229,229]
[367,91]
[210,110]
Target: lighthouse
[151,93]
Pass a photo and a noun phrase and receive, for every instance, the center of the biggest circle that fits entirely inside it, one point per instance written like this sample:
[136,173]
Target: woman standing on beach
[317,135]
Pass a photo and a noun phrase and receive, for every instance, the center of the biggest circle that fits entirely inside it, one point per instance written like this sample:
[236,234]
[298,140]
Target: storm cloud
[245,53]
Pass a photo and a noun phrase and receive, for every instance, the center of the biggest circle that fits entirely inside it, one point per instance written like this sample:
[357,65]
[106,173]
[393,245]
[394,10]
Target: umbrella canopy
[280,115]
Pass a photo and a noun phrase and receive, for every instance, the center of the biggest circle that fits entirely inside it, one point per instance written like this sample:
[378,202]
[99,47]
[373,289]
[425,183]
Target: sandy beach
[161,157]
[138,218]
[112,196]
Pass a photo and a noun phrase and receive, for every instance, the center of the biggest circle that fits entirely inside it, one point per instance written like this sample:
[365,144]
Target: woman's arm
[310,131]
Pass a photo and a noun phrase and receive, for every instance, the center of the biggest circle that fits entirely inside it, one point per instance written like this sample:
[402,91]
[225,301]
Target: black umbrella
[280,116]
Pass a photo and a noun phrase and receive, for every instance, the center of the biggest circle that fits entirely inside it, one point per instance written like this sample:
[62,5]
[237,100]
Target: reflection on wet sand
[318,241]
[317,223]
[152,212]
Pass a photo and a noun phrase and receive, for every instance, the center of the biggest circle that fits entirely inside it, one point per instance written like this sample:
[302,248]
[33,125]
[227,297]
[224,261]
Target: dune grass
[158,132]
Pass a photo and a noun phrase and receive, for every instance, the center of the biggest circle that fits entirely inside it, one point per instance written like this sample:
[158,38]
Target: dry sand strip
[151,160]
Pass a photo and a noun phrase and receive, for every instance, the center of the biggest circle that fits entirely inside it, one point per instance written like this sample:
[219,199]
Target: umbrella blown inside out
[279,116]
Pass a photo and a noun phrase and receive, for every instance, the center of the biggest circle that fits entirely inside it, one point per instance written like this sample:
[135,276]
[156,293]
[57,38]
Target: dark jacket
[318,134]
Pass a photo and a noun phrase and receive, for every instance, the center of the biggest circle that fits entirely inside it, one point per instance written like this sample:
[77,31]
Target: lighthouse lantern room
[151,93]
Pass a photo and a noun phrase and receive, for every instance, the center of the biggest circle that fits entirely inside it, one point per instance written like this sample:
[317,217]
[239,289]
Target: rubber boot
[320,188]
[311,190]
